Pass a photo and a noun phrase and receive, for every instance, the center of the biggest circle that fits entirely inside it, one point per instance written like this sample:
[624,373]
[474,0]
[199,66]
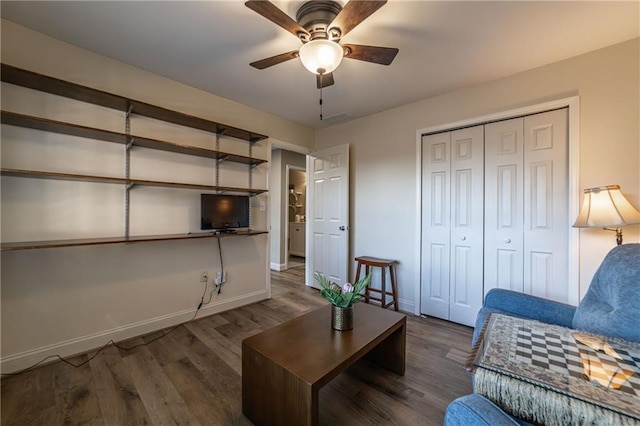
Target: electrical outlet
[204,277]
[221,277]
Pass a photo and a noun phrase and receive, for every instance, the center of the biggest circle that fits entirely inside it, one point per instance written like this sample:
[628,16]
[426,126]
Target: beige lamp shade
[321,56]
[606,206]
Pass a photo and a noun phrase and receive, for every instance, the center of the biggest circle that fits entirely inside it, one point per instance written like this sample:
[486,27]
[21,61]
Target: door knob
[463,238]
[507,240]
[342,228]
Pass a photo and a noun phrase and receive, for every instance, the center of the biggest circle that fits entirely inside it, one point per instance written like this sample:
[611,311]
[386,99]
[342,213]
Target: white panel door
[436,231]
[328,214]
[467,224]
[504,213]
[452,224]
[546,200]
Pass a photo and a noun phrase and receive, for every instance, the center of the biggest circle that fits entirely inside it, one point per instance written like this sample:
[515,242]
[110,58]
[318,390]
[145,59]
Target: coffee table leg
[391,352]
[271,395]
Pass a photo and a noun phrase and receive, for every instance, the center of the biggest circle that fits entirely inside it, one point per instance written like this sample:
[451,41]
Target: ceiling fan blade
[277,16]
[274,60]
[375,54]
[354,13]
[326,80]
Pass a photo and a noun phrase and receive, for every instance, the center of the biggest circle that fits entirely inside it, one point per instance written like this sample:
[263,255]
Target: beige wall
[69,300]
[384,148]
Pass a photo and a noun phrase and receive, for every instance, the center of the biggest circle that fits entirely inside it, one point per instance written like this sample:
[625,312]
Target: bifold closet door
[504,205]
[436,231]
[526,205]
[452,218]
[546,198]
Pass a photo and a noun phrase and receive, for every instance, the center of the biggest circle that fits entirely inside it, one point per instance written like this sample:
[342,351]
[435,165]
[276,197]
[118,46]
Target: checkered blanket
[554,375]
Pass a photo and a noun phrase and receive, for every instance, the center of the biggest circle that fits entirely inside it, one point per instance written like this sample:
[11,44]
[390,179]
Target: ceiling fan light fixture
[321,56]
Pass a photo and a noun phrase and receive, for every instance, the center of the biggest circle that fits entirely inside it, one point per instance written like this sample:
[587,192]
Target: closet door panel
[461,283]
[467,224]
[504,216]
[436,213]
[437,295]
[546,222]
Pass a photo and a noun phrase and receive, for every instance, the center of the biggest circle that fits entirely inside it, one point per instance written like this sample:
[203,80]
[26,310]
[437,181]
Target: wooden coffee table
[284,368]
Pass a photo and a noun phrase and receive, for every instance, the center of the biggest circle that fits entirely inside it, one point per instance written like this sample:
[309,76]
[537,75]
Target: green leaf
[333,292]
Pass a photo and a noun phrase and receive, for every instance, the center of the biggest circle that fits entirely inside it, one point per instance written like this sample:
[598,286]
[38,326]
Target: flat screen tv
[224,212]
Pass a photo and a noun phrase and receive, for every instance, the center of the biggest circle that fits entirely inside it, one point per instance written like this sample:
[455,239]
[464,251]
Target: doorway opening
[296,216]
[287,209]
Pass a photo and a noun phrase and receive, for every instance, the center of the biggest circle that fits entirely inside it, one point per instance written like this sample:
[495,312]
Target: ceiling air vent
[338,118]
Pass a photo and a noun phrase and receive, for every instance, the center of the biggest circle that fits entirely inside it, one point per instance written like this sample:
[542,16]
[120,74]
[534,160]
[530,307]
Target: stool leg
[394,288]
[366,289]
[366,297]
[383,287]
[358,271]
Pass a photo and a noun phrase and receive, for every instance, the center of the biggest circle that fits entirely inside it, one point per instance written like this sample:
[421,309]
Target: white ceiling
[444,45]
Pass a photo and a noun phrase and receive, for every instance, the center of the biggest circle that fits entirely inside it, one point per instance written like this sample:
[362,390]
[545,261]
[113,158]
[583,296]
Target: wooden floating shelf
[123,181]
[30,122]
[32,80]
[51,85]
[32,245]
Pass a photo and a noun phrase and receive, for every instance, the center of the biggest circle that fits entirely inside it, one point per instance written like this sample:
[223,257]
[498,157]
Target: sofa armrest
[474,409]
[532,307]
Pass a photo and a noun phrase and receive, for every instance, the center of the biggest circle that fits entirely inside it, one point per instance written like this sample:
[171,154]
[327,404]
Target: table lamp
[606,207]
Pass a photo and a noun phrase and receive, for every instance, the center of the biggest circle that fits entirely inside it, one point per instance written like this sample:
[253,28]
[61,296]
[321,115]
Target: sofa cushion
[611,306]
[508,302]
[476,410]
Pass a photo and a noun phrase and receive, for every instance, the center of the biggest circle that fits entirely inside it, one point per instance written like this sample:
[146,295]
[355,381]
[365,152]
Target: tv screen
[220,212]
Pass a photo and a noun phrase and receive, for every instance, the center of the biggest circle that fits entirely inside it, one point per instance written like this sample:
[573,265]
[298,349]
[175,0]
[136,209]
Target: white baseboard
[277,266]
[16,362]
[406,305]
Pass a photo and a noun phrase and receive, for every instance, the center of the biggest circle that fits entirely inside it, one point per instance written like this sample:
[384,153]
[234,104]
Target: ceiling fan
[319,25]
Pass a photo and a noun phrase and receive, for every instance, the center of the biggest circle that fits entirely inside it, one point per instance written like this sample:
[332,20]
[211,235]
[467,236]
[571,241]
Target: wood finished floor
[192,376]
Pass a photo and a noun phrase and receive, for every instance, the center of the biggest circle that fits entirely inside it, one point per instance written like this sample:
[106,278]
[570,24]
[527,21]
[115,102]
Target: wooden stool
[369,262]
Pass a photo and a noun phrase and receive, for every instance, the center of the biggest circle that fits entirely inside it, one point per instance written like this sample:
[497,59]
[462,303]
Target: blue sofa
[611,307]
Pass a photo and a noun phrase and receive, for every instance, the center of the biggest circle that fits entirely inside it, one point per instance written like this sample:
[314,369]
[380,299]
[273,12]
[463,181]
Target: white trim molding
[278,266]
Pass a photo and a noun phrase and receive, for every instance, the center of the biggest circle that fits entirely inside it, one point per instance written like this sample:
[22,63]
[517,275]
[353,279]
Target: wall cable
[112,343]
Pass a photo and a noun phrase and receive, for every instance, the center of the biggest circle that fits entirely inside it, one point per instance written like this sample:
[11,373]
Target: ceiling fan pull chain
[321,96]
